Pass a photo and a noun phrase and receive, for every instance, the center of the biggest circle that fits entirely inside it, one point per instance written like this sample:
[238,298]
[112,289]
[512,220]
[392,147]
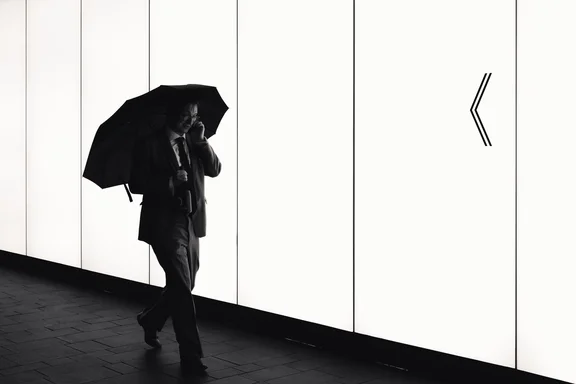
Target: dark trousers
[178,255]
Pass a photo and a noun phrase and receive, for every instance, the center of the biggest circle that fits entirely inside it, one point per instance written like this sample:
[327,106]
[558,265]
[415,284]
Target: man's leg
[155,315]
[179,264]
[184,322]
[179,257]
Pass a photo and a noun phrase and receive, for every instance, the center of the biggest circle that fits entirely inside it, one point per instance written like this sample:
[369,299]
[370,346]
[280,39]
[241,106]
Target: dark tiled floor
[51,332]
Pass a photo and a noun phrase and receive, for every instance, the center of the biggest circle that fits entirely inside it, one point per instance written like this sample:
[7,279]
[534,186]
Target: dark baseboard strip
[419,361]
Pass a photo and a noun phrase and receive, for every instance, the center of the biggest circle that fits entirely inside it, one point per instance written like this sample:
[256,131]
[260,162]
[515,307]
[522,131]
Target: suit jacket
[153,164]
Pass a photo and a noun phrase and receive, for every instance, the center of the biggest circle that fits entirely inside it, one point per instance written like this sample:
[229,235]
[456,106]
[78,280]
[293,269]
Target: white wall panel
[546,188]
[114,69]
[12,127]
[295,159]
[194,42]
[54,130]
[435,209]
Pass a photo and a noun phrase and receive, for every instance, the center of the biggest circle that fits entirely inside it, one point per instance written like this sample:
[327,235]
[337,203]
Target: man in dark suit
[168,170]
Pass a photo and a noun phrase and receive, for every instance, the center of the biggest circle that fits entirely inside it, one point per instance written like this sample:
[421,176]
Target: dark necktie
[182,154]
[186,166]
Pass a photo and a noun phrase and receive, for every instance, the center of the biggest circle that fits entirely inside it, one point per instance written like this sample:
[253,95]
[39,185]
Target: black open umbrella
[110,159]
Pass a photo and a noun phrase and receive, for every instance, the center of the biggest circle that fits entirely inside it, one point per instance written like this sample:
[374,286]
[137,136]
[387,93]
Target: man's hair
[173,109]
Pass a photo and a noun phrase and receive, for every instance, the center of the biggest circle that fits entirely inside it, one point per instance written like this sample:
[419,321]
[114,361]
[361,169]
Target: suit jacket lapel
[168,152]
[190,149]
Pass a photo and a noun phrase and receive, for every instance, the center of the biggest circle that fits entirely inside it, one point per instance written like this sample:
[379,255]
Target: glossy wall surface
[13,126]
[295,159]
[114,69]
[53,131]
[546,188]
[434,201]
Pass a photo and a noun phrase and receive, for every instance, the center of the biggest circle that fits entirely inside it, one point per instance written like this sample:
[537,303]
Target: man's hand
[181,177]
[197,132]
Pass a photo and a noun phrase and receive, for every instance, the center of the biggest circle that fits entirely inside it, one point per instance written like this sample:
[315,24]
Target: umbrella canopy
[110,159]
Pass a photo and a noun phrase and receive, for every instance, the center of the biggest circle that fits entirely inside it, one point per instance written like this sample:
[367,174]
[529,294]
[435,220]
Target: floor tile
[55,333]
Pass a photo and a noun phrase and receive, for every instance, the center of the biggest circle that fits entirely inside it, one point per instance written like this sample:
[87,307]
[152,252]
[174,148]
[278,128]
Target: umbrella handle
[128,192]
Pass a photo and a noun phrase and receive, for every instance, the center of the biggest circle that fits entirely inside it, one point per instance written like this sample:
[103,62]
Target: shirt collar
[173,135]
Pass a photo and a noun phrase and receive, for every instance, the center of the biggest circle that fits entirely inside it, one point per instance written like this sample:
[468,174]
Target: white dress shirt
[173,136]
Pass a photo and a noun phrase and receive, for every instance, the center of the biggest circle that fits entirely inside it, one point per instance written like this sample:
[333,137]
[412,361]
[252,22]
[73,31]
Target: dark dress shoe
[150,336]
[193,365]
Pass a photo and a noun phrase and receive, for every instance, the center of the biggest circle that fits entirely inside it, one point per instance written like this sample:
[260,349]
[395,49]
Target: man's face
[186,119]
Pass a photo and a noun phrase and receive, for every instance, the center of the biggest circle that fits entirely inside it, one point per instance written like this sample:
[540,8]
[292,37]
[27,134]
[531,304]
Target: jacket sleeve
[144,178]
[212,165]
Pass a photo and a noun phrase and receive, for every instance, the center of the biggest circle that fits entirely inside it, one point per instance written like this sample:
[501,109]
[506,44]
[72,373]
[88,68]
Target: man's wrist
[199,142]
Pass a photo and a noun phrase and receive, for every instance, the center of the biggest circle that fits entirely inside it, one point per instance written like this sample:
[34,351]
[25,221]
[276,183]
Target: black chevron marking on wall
[474,109]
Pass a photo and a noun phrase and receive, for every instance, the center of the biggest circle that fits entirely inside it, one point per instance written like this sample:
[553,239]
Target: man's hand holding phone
[197,131]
